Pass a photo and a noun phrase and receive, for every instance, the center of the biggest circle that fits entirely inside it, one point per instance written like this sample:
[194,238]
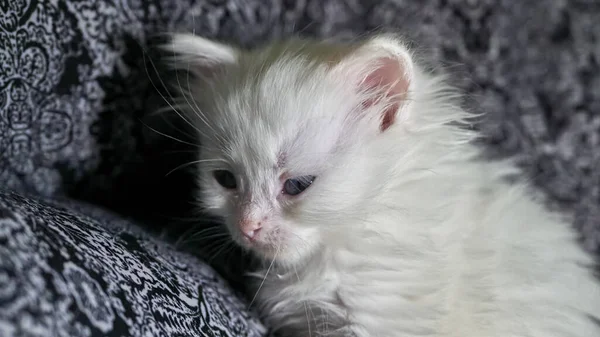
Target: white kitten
[345,167]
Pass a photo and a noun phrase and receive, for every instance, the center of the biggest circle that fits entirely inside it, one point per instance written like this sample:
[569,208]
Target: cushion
[72,269]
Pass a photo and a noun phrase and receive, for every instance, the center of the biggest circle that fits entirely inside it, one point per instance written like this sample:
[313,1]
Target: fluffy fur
[405,230]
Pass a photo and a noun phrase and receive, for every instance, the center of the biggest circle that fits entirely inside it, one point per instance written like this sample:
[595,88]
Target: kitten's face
[283,133]
[275,162]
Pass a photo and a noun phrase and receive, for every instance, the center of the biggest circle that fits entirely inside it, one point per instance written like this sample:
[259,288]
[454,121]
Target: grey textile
[79,79]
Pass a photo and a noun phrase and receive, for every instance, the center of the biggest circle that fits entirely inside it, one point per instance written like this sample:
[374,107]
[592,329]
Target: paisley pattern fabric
[80,81]
[64,273]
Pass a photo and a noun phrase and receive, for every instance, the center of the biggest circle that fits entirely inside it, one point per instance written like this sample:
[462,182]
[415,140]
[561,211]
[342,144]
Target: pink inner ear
[392,79]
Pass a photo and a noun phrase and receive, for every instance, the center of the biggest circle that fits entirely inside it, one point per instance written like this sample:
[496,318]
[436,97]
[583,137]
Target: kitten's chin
[283,255]
[263,251]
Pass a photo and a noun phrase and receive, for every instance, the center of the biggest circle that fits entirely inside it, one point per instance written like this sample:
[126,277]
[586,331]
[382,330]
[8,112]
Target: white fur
[404,232]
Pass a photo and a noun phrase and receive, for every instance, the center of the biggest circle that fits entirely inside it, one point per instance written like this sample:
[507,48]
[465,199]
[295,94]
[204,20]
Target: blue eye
[225,178]
[295,186]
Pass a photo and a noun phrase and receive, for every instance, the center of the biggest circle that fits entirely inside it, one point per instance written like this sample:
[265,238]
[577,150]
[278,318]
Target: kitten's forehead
[285,113]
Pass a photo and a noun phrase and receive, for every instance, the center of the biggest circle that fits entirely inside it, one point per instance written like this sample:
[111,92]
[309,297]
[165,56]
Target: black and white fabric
[80,82]
[65,273]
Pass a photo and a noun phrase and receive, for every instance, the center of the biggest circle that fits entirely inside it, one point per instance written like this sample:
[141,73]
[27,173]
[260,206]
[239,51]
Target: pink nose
[250,228]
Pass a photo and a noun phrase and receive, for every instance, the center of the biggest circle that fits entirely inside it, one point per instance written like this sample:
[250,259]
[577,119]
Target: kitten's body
[405,231]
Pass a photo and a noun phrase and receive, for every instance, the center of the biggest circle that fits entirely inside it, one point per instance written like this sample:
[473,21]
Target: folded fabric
[69,269]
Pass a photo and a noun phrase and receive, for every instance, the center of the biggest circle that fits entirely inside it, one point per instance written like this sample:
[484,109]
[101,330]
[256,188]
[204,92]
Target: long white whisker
[170,123]
[305,305]
[160,93]
[197,109]
[192,163]
[169,136]
[212,238]
[202,235]
[206,234]
[208,229]
[185,96]
[264,278]
[221,250]
[161,82]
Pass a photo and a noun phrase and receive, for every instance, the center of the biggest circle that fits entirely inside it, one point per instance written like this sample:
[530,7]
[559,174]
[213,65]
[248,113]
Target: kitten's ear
[201,56]
[382,69]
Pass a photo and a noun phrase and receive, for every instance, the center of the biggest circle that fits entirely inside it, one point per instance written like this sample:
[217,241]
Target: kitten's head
[283,130]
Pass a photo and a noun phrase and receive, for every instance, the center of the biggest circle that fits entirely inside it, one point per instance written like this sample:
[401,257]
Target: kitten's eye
[225,178]
[297,185]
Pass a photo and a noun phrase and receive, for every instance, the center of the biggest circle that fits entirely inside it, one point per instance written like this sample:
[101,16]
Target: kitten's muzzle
[250,228]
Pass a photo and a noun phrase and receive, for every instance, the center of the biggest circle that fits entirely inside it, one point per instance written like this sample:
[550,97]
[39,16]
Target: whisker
[305,305]
[229,254]
[217,250]
[170,105]
[179,151]
[193,229]
[177,102]
[185,96]
[198,110]
[209,229]
[214,244]
[224,246]
[168,136]
[178,129]
[192,163]
[161,82]
[203,237]
[211,237]
[265,278]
